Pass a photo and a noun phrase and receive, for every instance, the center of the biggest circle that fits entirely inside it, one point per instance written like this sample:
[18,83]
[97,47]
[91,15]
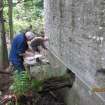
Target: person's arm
[43,46]
[36,38]
[22,54]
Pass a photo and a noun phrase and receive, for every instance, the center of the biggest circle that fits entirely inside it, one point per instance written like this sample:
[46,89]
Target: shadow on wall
[71,76]
[64,91]
[102,71]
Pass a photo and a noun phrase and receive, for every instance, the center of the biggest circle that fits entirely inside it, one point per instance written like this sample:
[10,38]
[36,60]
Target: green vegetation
[25,14]
[36,85]
[22,84]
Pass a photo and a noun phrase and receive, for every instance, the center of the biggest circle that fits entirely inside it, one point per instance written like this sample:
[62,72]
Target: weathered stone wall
[80,94]
[76,31]
[76,35]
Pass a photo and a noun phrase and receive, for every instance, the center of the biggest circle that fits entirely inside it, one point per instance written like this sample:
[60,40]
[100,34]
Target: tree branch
[19,2]
[1,8]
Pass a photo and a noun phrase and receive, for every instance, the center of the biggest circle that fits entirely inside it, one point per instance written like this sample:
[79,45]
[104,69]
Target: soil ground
[5,82]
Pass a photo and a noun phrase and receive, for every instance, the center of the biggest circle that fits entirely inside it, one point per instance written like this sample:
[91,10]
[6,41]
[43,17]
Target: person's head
[29,35]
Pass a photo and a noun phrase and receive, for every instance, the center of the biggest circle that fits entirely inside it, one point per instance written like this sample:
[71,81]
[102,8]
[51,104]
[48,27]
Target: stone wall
[76,36]
[80,94]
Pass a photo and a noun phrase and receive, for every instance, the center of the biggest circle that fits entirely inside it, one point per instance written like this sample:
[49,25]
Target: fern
[22,84]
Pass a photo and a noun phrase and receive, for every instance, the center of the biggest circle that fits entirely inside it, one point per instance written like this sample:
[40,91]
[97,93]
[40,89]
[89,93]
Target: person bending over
[38,41]
[18,48]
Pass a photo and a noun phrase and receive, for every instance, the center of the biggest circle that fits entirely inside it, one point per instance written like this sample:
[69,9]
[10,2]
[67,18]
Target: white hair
[29,35]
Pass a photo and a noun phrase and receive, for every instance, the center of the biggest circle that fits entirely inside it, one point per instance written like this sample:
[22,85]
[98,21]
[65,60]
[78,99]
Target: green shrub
[22,84]
[36,85]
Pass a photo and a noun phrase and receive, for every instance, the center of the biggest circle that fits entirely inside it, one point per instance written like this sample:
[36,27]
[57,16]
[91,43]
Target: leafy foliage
[26,13]
[36,85]
[22,84]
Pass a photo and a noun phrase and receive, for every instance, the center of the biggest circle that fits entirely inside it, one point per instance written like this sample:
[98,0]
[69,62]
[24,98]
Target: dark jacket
[19,46]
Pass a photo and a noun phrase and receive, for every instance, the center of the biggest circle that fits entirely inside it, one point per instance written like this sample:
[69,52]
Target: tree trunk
[4,53]
[10,3]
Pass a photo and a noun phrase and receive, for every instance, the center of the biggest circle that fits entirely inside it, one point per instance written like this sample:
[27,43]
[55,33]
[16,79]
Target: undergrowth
[23,84]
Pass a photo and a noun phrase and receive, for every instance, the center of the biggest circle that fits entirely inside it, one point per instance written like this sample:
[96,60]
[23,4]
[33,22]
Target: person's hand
[27,54]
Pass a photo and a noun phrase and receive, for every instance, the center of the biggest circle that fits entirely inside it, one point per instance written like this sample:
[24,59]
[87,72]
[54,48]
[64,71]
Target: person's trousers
[18,67]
